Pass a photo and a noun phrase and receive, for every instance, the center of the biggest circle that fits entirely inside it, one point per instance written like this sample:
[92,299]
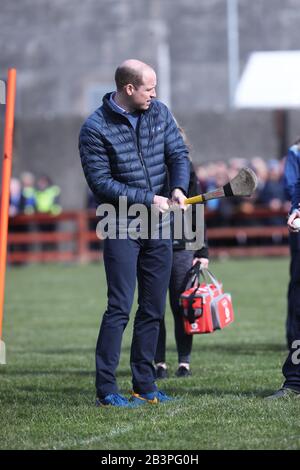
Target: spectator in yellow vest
[47,202]
[47,196]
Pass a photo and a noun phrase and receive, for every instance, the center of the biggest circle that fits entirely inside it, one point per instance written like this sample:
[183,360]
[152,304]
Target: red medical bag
[206,307]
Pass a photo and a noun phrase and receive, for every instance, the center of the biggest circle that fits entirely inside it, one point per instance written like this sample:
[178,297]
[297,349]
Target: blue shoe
[114,399]
[153,398]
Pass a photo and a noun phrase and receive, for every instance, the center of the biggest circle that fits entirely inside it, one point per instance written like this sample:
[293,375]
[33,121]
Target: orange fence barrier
[71,236]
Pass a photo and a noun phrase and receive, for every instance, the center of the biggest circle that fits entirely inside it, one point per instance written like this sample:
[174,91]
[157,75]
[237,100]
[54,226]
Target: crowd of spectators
[29,195]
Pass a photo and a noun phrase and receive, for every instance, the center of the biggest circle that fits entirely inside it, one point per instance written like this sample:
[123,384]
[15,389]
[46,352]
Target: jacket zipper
[137,140]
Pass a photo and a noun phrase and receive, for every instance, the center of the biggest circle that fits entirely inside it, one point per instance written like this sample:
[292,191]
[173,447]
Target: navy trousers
[293,316]
[148,261]
[291,369]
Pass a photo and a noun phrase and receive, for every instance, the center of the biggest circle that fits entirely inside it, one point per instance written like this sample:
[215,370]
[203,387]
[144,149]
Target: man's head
[27,179]
[136,83]
[43,182]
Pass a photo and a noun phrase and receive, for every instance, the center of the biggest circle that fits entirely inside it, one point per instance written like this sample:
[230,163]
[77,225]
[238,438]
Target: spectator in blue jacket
[291,367]
[15,197]
[131,147]
[272,194]
[28,192]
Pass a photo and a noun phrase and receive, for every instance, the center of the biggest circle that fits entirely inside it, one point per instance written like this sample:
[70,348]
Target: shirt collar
[117,107]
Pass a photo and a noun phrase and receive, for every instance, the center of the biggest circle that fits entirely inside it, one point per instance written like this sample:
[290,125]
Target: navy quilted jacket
[292,176]
[119,161]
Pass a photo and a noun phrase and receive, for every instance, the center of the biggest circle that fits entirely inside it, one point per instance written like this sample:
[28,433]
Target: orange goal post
[9,101]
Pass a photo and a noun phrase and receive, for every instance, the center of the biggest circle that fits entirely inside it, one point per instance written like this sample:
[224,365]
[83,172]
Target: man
[131,147]
[291,367]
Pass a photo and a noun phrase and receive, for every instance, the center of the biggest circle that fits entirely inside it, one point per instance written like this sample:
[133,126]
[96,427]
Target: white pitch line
[85,442]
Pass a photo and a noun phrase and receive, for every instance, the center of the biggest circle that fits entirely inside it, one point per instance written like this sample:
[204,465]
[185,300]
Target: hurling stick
[243,184]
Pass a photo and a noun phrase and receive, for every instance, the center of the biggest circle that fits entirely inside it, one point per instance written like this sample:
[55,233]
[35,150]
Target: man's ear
[129,89]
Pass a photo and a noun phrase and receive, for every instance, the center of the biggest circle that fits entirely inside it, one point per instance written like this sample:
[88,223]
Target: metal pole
[160,31]
[233,47]
[164,71]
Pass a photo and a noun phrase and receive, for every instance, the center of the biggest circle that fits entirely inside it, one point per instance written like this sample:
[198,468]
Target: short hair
[125,75]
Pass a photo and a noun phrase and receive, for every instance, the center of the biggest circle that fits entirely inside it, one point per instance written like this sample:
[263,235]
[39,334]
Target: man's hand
[161,203]
[290,222]
[178,198]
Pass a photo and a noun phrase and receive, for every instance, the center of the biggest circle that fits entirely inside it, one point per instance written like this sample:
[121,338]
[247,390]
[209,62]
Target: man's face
[141,97]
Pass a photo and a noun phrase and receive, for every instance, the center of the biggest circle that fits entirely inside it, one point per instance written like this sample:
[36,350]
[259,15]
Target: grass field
[51,324]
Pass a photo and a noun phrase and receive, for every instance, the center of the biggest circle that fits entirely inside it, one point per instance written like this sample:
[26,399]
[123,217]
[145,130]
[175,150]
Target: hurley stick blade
[2,352]
[243,184]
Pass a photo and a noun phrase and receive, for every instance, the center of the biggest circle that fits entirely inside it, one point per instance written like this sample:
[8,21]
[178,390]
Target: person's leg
[120,260]
[294,301]
[154,268]
[160,354]
[293,317]
[182,262]
[291,368]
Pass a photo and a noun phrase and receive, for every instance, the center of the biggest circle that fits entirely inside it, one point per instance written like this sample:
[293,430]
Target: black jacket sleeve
[194,190]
